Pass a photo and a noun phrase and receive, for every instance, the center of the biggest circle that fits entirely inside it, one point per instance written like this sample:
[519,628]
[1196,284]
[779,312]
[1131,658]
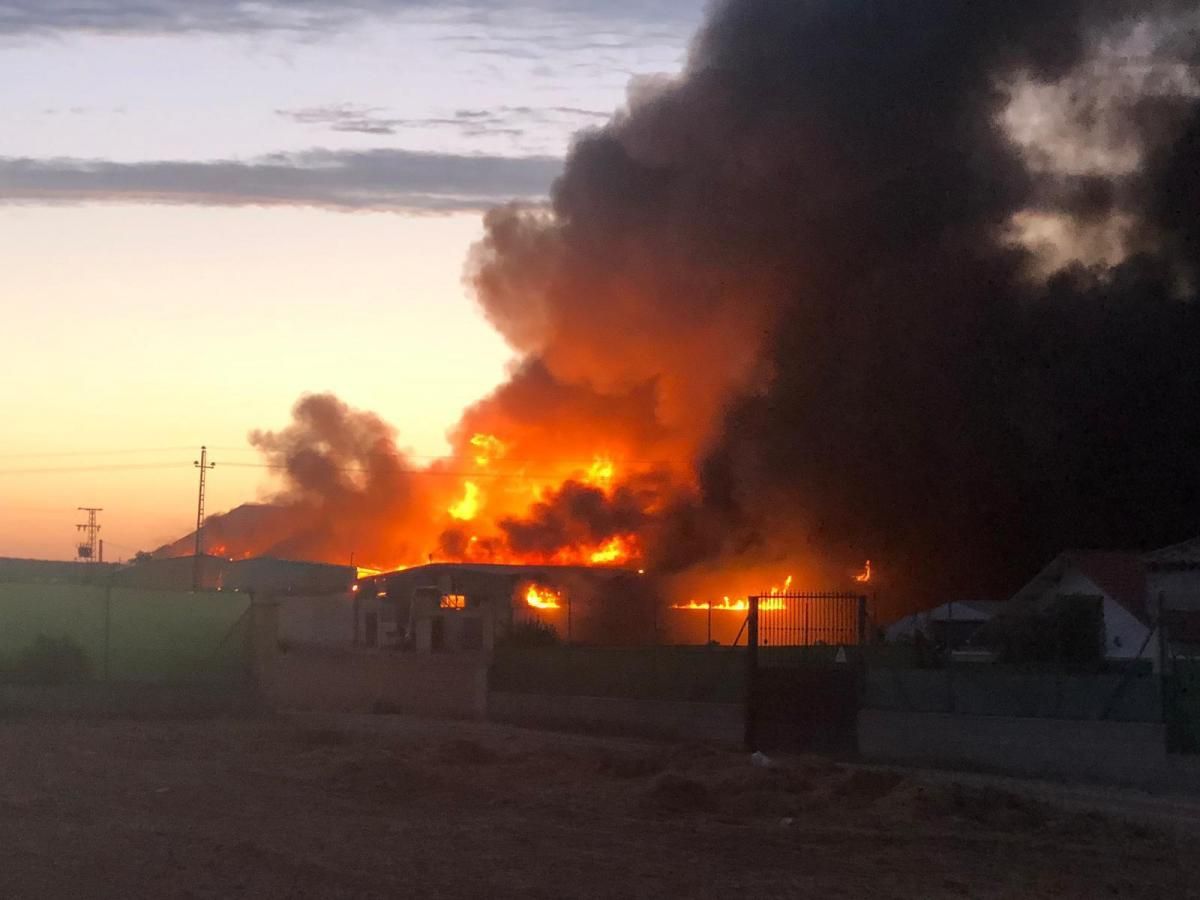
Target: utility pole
[86,549]
[203,465]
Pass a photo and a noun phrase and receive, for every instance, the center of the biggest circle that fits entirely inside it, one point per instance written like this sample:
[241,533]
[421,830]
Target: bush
[53,661]
[530,634]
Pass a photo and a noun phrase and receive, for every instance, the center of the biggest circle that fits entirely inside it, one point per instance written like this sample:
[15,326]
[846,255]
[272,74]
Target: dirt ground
[391,807]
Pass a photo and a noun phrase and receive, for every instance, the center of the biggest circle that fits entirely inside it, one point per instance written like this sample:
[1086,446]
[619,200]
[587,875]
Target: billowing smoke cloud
[821,246]
[913,282]
[348,492]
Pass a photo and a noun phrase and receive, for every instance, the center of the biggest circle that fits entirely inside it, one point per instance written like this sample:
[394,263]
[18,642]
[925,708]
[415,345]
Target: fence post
[107,628]
[751,712]
[862,620]
[1163,696]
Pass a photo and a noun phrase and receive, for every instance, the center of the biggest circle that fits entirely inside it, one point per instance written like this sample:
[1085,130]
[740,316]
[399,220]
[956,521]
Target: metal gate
[804,670]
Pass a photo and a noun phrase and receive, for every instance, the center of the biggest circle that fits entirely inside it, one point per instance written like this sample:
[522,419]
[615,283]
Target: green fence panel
[73,611]
[164,636]
[129,634]
[1183,706]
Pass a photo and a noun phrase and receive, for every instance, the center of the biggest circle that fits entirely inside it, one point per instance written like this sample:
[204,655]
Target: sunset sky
[209,208]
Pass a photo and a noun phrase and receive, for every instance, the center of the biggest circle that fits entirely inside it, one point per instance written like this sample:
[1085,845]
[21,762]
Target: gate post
[862,621]
[751,712]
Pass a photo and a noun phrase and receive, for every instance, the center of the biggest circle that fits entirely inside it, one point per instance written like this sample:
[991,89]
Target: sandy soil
[390,807]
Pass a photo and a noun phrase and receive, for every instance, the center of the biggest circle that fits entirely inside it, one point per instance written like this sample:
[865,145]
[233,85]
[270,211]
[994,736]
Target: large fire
[497,492]
[467,507]
[538,596]
[771,600]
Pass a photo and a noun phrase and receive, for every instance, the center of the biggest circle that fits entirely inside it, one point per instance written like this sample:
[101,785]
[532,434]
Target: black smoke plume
[893,313]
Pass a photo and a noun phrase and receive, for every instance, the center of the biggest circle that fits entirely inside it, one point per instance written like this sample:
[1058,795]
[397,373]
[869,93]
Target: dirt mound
[467,752]
[629,765]
[988,806]
[671,792]
[863,787]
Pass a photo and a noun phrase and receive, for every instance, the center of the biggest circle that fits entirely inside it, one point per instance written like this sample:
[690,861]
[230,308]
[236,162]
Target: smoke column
[885,308]
[913,282]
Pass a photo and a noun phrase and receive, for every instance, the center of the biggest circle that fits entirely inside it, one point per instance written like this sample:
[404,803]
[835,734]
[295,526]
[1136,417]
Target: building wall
[322,620]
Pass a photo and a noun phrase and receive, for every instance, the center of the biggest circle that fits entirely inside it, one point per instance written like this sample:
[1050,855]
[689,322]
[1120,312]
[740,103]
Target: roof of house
[1121,576]
[964,611]
[439,568]
[1184,555]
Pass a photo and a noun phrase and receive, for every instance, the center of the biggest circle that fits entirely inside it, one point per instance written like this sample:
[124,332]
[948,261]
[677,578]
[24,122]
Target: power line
[118,467]
[59,453]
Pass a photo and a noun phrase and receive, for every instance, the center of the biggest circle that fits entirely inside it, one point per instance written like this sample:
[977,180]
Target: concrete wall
[1127,752]
[325,620]
[697,674]
[715,722]
[992,690]
[351,679]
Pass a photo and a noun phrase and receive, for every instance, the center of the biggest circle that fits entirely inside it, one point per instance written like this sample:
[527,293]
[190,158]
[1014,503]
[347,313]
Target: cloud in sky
[527,130]
[382,180]
[178,16]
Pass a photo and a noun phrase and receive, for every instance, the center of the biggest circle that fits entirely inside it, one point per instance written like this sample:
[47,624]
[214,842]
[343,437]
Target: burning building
[469,605]
[914,283]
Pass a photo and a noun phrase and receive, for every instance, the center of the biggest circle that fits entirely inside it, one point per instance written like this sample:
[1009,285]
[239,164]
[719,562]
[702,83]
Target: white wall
[1124,632]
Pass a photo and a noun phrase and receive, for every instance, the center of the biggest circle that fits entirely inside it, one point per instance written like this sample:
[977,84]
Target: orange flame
[601,473]
[727,605]
[489,448]
[538,596]
[772,602]
[865,575]
[787,585]
[617,549]
[466,508]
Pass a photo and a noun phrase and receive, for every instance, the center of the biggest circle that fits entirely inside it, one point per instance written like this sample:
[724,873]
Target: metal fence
[73,632]
[808,619]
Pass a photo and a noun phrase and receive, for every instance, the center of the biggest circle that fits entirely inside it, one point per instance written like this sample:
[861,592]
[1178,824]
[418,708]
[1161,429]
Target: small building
[951,625]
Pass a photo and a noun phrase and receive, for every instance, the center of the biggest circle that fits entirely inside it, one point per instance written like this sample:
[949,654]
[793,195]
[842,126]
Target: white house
[1118,581]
